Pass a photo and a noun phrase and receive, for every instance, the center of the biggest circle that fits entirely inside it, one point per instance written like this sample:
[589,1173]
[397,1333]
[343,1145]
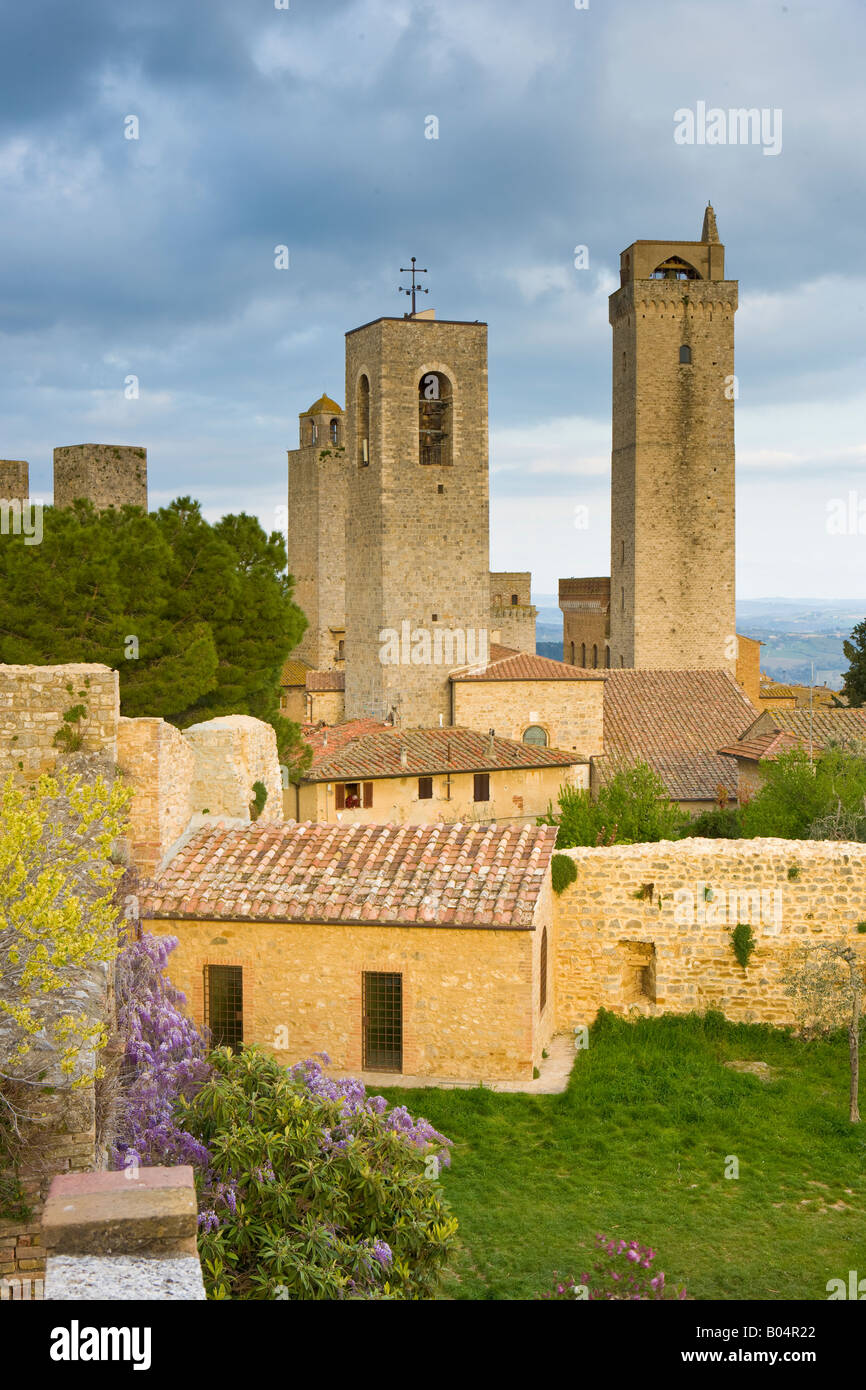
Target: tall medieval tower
[317,533]
[672,598]
[417,537]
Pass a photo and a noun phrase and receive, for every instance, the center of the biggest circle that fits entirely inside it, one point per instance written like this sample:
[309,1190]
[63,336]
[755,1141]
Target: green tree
[632,807]
[854,679]
[197,619]
[800,798]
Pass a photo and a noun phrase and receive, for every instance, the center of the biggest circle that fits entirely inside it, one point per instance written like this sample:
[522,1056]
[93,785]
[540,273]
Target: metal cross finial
[415,289]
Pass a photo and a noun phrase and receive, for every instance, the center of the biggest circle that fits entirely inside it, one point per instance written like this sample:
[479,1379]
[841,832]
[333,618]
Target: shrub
[260,796]
[743,942]
[315,1190]
[622,1272]
[563,871]
[715,825]
[632,807]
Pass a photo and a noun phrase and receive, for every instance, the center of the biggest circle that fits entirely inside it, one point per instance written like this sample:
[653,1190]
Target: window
[637,963]
[224,1004]
[341,649]
[542,973]
[536,736]
[583,655]
[513,600]
[675,268]
[572,653]
[434,419]
[481,788]
[363,422]
[312,432]
[685,354]
[607,658]
[382,1021]
[425,788]
[350,795]
[335,431]
[594,656]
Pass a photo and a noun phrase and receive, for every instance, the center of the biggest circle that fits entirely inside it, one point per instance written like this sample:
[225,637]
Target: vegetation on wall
[743,942]
[563,871]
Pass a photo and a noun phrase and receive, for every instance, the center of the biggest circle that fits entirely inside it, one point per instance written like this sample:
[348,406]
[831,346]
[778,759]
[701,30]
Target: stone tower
[317,533]
[672,475]
[108,475]
[417,537]
[14,480]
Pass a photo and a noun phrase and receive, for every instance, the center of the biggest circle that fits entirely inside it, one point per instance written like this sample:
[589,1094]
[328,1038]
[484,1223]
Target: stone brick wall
[33,701]
[468,995]
[678,931]
[672,482]
[417,534]
[585,605]
[749,668]
[328,706]
[512,624]
[230,755]
[108,475]
[14,479]
[160,763]
[317,539]
[571,712]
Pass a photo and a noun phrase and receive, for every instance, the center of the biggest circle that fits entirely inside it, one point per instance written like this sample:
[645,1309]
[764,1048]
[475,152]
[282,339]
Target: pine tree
[854,679]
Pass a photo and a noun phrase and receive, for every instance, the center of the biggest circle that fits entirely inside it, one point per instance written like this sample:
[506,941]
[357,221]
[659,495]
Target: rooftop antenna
[415,289]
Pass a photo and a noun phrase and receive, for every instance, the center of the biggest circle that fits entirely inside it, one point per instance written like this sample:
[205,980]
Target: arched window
[583,655]
[363,422]
[572,653]
[594,657]
[675,268]
[514,600]
[607,658]
[535,735]
[542,972]
[434,419]
[335,431]
[685,354]
[312,432]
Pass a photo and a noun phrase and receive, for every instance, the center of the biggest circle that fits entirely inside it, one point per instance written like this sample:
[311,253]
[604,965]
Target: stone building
[108,475]
[671,601]
[585,605]
[14,480]
[417,536]
[512,612]
[317,533]
[363,773]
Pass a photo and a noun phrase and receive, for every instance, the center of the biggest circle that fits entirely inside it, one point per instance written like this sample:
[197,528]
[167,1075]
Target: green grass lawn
[636,1148]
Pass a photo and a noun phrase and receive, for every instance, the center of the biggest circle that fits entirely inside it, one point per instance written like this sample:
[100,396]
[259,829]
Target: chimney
[491,734]
[404,757]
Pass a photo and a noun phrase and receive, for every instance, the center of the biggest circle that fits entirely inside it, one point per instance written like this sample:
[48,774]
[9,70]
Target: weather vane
[416,289]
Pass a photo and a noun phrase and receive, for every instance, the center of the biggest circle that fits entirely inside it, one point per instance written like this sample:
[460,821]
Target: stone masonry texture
[108,475]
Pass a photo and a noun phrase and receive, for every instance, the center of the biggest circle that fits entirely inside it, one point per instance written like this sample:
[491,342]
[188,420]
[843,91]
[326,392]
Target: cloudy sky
[305,127]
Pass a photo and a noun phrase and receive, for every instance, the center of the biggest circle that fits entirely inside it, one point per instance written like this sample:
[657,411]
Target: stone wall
[14,480]
[570,712]
[585,605]
[33,701]
[469,996]
[749,668]
[317,538]
[669,949]
[512,612]
[160,763]
[108,475]
[231,754]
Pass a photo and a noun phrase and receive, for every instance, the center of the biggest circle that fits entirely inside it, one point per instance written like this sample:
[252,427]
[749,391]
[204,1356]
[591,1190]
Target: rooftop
[380,752]
[523,667]
[420,875]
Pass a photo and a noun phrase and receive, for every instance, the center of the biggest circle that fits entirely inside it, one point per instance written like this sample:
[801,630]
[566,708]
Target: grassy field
[636,1148]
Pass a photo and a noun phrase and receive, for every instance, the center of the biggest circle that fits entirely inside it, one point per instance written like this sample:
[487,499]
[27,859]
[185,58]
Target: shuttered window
[482,786]
[368,793]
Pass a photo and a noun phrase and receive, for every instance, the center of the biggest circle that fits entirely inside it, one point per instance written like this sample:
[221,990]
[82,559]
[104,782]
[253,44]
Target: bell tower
[417,537]
[672,596]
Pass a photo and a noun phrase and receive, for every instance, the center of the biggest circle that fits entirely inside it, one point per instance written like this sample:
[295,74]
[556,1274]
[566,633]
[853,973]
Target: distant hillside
[795,634]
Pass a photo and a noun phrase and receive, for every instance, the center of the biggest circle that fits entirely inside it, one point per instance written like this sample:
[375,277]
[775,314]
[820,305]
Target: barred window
[224,1004]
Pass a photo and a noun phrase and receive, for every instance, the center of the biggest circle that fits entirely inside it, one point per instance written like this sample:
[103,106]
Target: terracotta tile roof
[768,745]
[379,754]
[294,672]
[419,875]
[524,667]
[326,680]
[676,721]
[828,725]
[330,739]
